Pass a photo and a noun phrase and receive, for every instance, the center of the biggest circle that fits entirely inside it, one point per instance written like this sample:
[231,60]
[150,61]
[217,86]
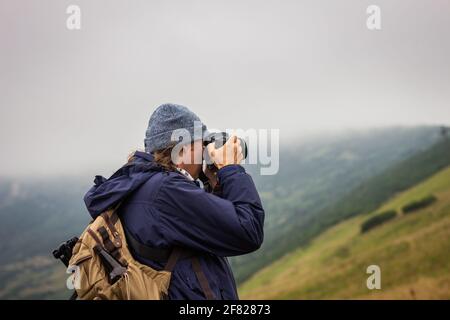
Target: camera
[219,139]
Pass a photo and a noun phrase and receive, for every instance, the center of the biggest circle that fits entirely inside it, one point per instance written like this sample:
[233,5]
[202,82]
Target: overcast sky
[80,100]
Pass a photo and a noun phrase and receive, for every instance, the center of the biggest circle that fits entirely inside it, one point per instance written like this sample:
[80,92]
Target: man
[163,206]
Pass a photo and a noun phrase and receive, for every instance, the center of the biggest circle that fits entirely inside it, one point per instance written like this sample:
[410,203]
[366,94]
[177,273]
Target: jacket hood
[109,192]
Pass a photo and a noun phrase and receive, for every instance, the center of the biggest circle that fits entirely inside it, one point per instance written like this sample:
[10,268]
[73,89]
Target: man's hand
[229,153]
[211,173]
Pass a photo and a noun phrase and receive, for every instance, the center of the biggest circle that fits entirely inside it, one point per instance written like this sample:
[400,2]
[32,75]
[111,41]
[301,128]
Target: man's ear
[185,149]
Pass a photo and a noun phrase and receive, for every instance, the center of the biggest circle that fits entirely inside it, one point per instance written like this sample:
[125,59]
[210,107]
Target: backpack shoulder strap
[196,266]
[173,259]
[144,251]
[204,284]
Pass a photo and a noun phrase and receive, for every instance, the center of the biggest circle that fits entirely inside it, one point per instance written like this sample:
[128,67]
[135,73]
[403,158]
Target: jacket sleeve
[225,226]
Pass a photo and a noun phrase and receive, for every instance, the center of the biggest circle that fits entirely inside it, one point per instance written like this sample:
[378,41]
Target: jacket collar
[186,174]
[144,155]
[149,157]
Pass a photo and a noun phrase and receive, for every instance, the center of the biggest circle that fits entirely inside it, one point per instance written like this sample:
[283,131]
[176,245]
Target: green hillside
[313,218]
[313,190]
[412,251]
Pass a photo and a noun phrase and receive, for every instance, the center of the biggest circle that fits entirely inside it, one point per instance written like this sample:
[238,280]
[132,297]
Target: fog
[79,100]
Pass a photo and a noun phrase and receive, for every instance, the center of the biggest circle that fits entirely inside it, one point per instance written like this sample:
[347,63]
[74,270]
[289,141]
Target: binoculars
[64,251]
[114,269]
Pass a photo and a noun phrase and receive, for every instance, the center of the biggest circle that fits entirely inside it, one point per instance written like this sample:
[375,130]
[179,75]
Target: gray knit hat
[165,120]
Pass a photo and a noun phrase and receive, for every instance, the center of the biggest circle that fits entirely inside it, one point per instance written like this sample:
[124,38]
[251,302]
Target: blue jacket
[165,209]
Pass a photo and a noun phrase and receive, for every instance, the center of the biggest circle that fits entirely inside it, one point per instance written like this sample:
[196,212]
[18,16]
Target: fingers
[229,153]
[236,149]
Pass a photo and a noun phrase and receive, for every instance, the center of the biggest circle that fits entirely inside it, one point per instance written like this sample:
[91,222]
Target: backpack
[105,269]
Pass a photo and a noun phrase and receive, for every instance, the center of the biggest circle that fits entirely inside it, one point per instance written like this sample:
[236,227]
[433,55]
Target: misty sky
[79,101]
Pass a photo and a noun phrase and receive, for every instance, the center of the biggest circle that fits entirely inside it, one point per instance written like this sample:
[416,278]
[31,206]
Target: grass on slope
[38,277]
[411,250]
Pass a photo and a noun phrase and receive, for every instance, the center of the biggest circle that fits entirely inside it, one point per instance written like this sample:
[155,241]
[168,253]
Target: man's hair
[162,157]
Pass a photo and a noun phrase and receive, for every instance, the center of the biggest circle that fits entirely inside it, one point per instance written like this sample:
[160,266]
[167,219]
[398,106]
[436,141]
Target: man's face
[192,158]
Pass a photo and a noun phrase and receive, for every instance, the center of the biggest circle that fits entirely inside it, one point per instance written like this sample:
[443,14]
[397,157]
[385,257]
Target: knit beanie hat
[166,120]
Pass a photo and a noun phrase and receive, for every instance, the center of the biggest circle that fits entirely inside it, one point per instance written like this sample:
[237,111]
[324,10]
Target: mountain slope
[411,250]
[37,215]
[330,196]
